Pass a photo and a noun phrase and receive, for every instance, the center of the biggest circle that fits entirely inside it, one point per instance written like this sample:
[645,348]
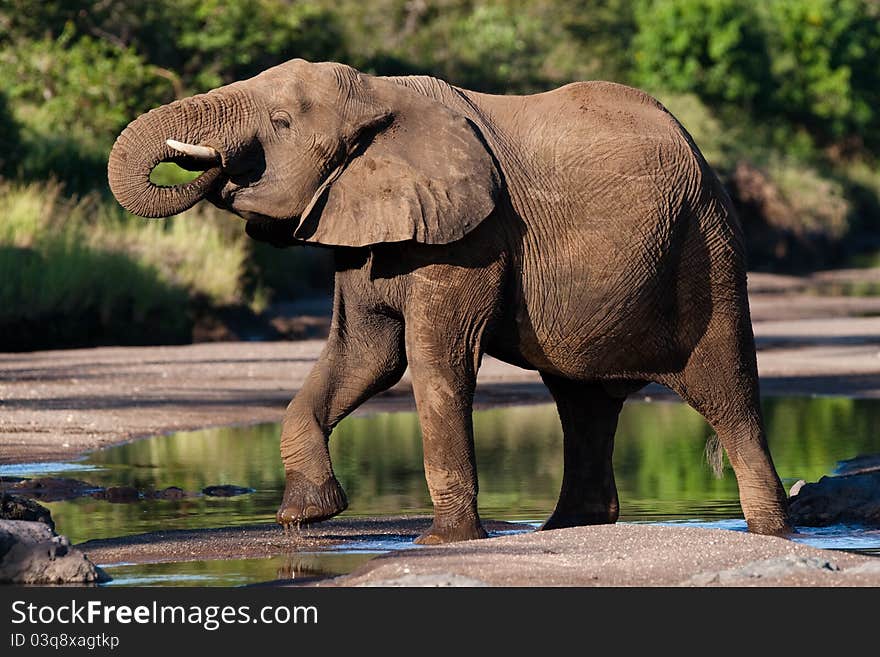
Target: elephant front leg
[355,365]
[444,390]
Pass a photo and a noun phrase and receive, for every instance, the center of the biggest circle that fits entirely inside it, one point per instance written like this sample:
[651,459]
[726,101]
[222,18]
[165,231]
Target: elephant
[577,232]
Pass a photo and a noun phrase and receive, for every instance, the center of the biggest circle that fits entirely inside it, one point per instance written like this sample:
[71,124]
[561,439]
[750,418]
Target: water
[238,572]
[660,470]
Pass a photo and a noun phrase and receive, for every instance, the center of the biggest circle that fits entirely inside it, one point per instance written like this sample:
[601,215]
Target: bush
[10,143]
[60,289]
[713,48]
[809,63]
[61,293]
[108,276]
[824,60]
[493,48]
[220,42]
[72,96]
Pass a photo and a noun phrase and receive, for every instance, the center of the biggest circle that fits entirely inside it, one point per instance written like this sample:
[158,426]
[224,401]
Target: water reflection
[237,572]
[659,464]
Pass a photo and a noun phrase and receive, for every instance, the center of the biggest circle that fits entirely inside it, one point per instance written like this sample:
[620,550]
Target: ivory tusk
[199,152]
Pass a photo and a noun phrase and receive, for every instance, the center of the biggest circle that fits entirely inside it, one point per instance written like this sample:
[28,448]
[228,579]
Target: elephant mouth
[246,203]
[277,232]
[273,230]
[192,164]
[208,162]
[256,218]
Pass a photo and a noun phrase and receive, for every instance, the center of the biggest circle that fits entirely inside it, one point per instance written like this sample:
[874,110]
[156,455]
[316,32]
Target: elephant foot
[770,526]
[563,519]
[465,531]
[306,502]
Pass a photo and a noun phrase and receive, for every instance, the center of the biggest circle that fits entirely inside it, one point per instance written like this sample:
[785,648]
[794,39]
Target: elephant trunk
[142,145]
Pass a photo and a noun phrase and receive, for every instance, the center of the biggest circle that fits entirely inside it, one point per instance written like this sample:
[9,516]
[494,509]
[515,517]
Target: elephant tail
[715,455]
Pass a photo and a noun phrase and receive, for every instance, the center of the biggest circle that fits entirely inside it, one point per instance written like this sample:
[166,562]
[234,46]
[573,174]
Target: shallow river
[660,468]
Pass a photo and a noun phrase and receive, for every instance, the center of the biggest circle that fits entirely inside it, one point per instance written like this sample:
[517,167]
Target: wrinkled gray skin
[577,232]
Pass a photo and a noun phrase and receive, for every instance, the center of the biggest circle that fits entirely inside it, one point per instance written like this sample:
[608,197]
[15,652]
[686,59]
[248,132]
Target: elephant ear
[417,170]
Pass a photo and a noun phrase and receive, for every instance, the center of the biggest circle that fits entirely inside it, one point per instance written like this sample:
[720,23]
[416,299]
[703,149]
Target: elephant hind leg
[589,419]
[720,381]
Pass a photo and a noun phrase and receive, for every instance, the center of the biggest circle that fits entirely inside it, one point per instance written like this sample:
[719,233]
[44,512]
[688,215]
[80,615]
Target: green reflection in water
[659,464]
[237,572]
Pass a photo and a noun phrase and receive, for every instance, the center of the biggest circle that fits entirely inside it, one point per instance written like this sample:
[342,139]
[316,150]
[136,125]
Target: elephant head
[314,153]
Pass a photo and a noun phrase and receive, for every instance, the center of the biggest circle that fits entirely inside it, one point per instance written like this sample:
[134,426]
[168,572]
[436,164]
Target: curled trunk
[142,145]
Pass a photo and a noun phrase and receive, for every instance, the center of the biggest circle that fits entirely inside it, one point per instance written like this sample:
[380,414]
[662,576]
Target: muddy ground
[266,540]
[57,405]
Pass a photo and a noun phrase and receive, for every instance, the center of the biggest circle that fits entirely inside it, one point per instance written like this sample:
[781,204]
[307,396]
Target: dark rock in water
[5,479]
[849,499]
[226,490]
[170,493]
[858,465]
[50,489]
[31,553]
[119,494]
[15,507]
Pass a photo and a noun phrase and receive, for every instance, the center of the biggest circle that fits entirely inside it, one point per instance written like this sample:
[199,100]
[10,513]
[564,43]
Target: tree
[10,144]
[825,60]
[714,48]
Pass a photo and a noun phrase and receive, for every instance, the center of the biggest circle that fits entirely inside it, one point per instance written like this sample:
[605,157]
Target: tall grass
[83,271]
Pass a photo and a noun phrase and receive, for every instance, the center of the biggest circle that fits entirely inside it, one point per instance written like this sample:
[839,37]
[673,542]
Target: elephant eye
[280,120]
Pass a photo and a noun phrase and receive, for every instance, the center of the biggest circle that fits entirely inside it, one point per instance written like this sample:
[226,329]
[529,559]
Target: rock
[119,494]
[50,489]
[832,500]
[226,490]
[31,553]
[777,567]
[170,493]
[858,465]
[871,568]
[15,507]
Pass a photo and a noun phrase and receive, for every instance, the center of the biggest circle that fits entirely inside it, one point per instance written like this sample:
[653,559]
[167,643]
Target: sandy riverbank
[619,555]
[608,555]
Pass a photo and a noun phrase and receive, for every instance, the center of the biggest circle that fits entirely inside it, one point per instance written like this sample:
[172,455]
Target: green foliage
[81,271]
[72,94]
[824,56]
[66,83]
[10,142]
[709,47]
[491,48]
[500,46]
[589,39]
[791,86]
[221,41]
[810,63]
